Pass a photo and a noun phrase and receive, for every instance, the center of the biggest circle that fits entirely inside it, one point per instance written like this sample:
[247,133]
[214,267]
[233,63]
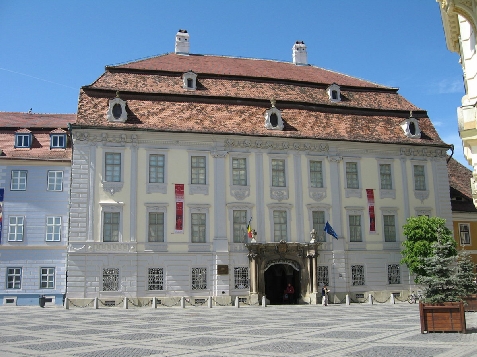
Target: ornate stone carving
[349,192]
[156,188]
[219,154]
[279,194]
[284,145]
[421,195]
[387,193]
[113,187]
[199,189]
[426,152]
[240,193]
[317,195]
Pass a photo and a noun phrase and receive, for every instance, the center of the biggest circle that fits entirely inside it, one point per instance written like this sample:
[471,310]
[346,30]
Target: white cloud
[446,86]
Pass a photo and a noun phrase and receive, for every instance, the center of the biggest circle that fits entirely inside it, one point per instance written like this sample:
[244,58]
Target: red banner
[372,217]
[179,208]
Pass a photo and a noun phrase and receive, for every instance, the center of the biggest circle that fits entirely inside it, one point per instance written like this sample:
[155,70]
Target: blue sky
[50,48]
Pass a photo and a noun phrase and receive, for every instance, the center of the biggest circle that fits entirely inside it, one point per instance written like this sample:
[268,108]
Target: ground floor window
[394,275]
[241,277]
[14,278]
[155,279]
[47,278]
[111,279]
[357,274]
[322,275]
[199,278]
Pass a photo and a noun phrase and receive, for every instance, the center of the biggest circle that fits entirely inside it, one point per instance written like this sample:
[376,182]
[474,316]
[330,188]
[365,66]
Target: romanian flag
[249,229]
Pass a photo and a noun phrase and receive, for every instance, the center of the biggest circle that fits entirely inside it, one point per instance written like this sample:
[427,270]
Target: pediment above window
[411,129]
[117,110]
[273,118]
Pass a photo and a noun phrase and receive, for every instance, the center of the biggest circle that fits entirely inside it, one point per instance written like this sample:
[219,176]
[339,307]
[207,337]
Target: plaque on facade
[222,269]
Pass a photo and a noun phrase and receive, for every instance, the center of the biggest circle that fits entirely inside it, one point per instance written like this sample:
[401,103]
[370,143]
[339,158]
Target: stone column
[253,277]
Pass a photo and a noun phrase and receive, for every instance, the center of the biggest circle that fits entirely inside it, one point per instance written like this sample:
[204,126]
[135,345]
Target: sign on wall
[372,217]
[179,187]
[2,192]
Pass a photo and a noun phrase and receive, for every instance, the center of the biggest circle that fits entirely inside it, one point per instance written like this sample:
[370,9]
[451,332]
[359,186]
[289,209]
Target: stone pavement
[299,330]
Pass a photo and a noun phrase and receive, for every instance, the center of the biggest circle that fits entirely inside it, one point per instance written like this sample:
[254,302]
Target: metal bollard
[183,302]
[264,301]
[391,300]
[96,303]
[154,302]
[209,302]
[125,303]
[67,304]
[237,303]
[347,299]
[370,299]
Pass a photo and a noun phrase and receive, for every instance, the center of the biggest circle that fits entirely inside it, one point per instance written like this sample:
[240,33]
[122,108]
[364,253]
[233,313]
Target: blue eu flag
[328,229]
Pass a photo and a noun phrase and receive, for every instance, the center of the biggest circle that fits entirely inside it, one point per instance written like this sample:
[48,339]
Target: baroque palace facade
[175,155]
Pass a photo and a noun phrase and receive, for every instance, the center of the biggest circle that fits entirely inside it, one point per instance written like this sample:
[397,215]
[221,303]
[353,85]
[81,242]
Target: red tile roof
[34,120]
[459,181]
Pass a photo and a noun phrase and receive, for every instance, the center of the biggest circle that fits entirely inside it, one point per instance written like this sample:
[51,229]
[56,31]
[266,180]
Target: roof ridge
[34,113]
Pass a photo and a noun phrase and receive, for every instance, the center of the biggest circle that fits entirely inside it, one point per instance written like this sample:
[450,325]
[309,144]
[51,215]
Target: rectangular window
[280,225]
[394,274]
[355,228]
[199,278]
[241,278]
[316,174]
[22,140]
[155,279]
[352,175]
[319,225]
[156,227]
[464,233]
[357,274]
[198,170]
[57,141]
[239,171]
[322,277]
[385,174]
[240,226]
[198,227]
[112,167]
[278,173]
[53,229]
[14,278]
[111,226]
[110,279]
[419,178]
[47,278]
[55,180]
[19,180]
[389,222]
[15,228]
[156,168]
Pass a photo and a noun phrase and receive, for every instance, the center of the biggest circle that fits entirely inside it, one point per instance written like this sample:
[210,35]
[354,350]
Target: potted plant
[430,253]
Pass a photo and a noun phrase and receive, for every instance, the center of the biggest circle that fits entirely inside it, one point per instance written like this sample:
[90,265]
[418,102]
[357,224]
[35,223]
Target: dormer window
[117,110]
[57,141]
[23,140]
[411,128]
[273,118]
[334,93]
[189,80]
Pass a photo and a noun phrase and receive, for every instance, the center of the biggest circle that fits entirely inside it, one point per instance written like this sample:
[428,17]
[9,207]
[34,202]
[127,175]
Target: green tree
[421,232]
[464,275]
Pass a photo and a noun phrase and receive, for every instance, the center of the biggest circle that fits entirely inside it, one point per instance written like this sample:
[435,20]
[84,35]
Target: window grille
[385,173]
[389,222]
[47,278]
[280,225]
[198,226]
[198,170]
[239,171]
[357,275]
[14,278]
[278,173]
[241,278]
[394,274]
[156,227]
[111,227]
[15,229]
[199,278]
[111,279]
[240,226]
[352,175]
[53,229]
[156,168]
[464,233]
[355,228]
[316,174]
[419,178]
[319,225]
[155,279]
[113,167]
[55,180]
[19,180]
[322,277]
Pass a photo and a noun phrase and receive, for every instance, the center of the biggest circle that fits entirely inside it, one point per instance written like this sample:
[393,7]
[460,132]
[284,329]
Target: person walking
[324,296]
[290,291]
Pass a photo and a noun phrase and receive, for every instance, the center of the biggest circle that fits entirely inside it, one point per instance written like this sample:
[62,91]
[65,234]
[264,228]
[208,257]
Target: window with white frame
[464,233]
[14,278]
[385,175]
[394,274]
[110,279]
[239,171]
[389,223]
[419,178]
[239,226]
[57,141]
[352,179]
[316,174]
[53,229]
[111,221]
[198,227]
[199,278]
[355,232]
[47,278]
[23,140]
[198,170]
[319,225]
[241,278]
[155,280]
[15,228]
[55,180]
[278,173]
[19,180]
[357,275]
[322,276]
[155,227]
[280,228]
[112,168]
[156,168]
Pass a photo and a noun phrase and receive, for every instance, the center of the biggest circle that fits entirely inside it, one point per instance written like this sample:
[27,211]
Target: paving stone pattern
[299,330]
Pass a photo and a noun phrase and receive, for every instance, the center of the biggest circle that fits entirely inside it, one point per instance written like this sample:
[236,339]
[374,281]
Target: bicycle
[414,298]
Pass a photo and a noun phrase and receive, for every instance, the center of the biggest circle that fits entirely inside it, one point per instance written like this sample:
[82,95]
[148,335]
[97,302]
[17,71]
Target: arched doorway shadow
[277,277]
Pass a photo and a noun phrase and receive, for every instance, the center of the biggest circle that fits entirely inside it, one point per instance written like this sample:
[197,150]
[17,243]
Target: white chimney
[299,53]
[182,42]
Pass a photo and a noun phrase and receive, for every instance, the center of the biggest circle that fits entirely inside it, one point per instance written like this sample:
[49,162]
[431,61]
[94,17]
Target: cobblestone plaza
[299,330]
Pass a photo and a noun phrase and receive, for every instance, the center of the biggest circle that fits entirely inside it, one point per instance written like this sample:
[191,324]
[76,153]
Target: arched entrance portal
[277,276]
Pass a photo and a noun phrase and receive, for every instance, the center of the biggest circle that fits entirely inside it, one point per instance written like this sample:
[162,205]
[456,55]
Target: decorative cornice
[423,152]
[276,145]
